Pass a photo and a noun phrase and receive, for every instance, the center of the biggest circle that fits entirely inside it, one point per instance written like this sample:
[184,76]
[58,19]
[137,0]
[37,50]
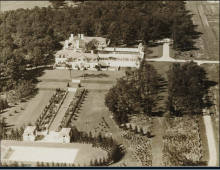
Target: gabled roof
[29,129]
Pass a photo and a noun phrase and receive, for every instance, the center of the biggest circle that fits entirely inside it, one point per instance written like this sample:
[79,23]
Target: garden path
[62,111]
[157,141]
[211,141]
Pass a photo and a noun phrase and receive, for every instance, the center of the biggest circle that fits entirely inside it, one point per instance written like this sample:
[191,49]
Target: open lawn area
[30,111]
[64,75]
[85,152]
[93,111]
[156,52]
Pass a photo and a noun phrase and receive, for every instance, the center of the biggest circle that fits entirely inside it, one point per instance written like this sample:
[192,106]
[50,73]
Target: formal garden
[182,142]
[72,111]
[50,111]
[140,146]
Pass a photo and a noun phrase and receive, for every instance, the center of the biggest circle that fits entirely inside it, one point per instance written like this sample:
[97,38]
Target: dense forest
[31,36]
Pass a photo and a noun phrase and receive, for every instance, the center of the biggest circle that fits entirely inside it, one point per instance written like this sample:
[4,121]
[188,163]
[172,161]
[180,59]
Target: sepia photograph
[109,84]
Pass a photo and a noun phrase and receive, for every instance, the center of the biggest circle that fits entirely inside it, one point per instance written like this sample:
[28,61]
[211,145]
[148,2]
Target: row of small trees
[12,164]
[115,152]
[13,133]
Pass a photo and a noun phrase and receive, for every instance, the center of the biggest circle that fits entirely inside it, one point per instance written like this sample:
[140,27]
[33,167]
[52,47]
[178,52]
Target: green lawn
[32,109]
[92,110]
[157,51]
[85,151]
[57,75]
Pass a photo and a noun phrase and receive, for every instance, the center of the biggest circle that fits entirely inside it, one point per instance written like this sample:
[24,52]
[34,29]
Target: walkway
[211,141]
[61,111]
[157,142]
[166,57]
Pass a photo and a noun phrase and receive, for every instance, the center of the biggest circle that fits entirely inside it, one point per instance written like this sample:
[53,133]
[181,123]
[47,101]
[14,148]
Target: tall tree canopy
[186,88]
[137,92]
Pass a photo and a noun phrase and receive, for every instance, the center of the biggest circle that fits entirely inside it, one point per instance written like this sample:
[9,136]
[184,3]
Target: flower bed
[181,144]
[73,107]
[51,110]
[140,147]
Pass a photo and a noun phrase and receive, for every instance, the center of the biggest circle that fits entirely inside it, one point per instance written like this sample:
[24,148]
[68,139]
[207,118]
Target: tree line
[137,92]
[115,151]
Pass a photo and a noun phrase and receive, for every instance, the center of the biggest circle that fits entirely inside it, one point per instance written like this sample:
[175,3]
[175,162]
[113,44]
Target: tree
[115,153]
[38,164]
[22,165]
[96,162]
[186,88]
[141,131]
[135,93]
[91,163]
[47,164]
[135,130]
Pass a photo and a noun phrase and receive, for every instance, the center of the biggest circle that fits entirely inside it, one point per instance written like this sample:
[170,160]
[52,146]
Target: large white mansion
[107,57]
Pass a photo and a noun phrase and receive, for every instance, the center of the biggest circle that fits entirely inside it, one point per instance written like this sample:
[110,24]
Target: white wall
[121,49]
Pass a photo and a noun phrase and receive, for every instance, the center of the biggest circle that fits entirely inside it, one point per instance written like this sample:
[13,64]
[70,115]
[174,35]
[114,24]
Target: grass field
[92,111]
[64,75]
[207,43]
[85,151]
[32,110]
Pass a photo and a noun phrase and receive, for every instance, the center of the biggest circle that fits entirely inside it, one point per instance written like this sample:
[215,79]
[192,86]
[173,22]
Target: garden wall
[121,49]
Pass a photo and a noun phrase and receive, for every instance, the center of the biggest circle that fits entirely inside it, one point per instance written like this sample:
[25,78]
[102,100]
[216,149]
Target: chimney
[91,51]
[66,43]
[77,43]
[74,49]
[71,35]
[82,36]
[79,35]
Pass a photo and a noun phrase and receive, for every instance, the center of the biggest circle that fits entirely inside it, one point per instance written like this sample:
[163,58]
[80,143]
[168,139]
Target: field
[57,75]
[207,44]
[90,119]
[84,154]
[31,109]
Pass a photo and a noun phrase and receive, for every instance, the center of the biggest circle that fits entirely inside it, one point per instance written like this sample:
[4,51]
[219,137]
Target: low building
[30,134]
[76,60]
[65,135]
